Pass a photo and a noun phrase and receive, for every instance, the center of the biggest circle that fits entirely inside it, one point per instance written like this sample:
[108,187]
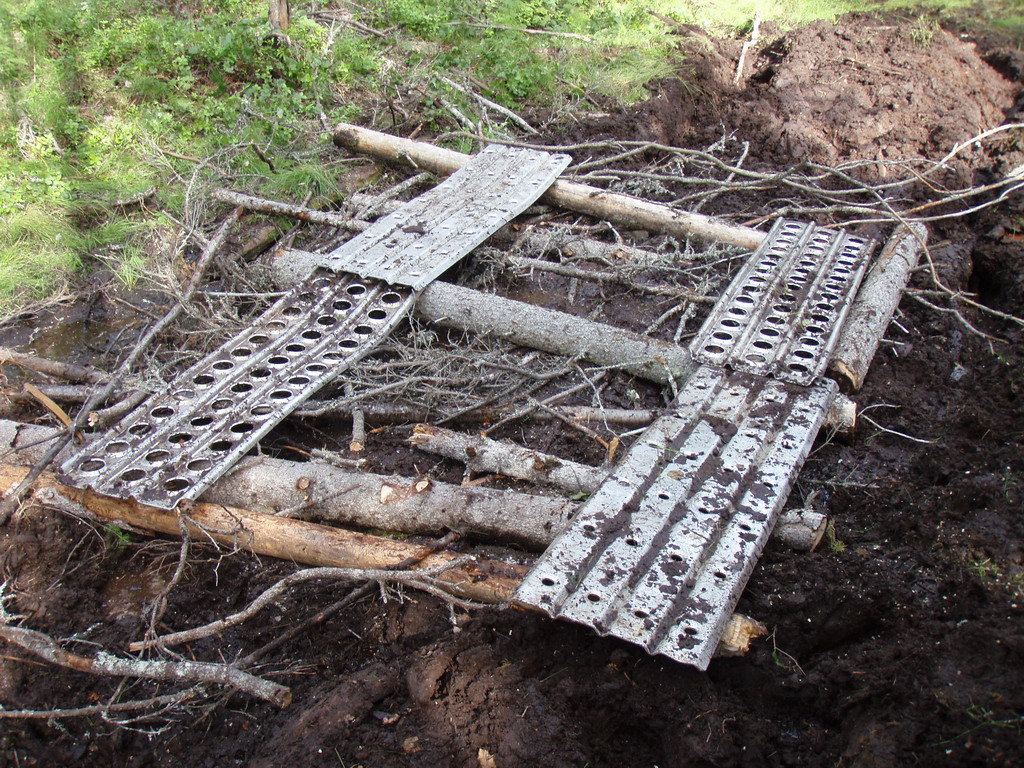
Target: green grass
[99,101]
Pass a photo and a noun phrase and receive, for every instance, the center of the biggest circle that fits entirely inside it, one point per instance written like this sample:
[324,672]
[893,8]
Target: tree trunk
[628,212]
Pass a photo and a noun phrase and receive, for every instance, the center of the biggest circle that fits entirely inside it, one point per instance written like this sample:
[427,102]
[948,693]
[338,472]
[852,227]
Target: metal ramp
[175,445]
[660,554]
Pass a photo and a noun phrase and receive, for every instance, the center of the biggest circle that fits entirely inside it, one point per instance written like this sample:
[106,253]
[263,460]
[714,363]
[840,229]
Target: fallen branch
[103,663]
[481,454]
[623,210]
[300,212]
[167,701]
[67,371]
[423,580]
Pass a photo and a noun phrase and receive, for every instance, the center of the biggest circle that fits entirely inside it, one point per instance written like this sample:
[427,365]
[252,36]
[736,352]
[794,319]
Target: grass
[104,103]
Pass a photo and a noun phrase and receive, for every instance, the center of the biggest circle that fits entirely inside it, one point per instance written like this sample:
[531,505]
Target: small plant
[834,544]
[116,537]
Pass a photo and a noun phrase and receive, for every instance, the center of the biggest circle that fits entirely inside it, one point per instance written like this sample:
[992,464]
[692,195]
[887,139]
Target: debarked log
[482,579]
[549,330]
[629,212]
[325,493]
[875,304]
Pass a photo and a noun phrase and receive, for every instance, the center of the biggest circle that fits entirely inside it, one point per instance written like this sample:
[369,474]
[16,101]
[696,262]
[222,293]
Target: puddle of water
[129,593]
[72,338]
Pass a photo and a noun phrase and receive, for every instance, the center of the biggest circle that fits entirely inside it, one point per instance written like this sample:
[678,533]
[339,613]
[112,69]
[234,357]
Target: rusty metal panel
[426,236]
[176,444]
[659,555]
[783,313]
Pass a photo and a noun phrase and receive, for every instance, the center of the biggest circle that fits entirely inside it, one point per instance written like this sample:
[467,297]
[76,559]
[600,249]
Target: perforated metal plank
[659,555]
[176,444]
[426,236]
[783,312]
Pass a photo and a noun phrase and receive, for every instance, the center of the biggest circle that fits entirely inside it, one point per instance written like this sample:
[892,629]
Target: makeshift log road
[660,552]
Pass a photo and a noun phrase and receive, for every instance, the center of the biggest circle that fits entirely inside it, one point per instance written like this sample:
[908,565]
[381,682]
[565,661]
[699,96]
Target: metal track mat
[659,555]
[427,235]
[783,313]
[176,444]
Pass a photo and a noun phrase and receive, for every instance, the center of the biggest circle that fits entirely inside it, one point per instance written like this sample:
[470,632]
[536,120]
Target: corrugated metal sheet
[422,239]
[660,554]
[782,314]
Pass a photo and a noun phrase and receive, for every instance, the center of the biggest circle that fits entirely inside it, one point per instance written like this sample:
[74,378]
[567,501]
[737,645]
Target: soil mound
[862,88]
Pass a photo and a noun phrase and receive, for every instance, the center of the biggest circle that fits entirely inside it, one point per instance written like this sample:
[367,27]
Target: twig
[492,105]
[420,580]
[166,701]
[104,663]
[356,594]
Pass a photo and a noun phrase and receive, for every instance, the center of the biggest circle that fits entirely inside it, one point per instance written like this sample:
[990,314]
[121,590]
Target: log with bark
[527,325]
[625,211]
[484,580]
[875,304]
[320,492]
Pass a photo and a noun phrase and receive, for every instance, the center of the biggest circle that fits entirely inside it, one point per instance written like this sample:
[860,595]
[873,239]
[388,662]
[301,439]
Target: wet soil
[899,642]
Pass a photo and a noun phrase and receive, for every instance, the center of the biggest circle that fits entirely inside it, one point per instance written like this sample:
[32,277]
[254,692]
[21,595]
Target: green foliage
[102,100]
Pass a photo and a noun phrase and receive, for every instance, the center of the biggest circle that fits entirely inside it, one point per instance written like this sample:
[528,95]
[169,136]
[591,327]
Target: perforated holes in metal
[660,554]
[782,314]
[178,443]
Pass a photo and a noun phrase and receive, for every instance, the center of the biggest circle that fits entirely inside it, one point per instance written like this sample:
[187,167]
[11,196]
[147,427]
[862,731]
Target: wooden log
[875,304]
[625,211]
[801,529]
[527,325]
[481,454]
[321,492]
[485,580]
[407,505]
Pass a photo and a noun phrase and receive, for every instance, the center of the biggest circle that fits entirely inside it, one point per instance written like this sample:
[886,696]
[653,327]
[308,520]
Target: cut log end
[739,633]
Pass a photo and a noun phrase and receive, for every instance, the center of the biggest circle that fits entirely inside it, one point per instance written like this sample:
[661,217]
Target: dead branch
[67,371]
[629,212]
[481,454]
[299,212]
[596,276]
[104,663]
[423,580]
[167,701]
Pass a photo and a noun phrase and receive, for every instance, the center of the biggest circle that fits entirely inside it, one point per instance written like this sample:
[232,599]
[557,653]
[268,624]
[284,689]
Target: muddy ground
[899,642]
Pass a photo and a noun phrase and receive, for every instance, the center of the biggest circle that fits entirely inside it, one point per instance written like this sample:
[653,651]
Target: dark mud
[901,642]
